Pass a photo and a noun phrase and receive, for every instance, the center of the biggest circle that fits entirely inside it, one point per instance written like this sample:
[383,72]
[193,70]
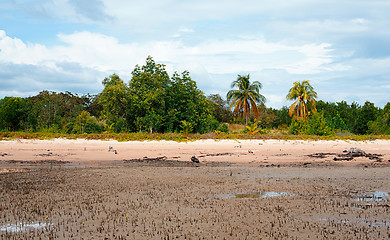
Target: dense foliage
[154,102]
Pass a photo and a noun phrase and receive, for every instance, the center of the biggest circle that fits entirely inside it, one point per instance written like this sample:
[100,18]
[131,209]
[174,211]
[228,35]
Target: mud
[135,199]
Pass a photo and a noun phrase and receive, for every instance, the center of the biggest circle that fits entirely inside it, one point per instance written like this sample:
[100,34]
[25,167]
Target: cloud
[27,80]
[83,59]
[91,9]
[27,69]
[207,62]
[104,53]
[342,47]
[64,10]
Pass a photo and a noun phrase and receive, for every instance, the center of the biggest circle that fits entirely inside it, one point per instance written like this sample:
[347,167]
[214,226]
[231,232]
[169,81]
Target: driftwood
[215,155]
[357,152]
[46,154]
[343,158]
[162,159]
[147,159]
[194,159]
[37,162]
[165,162]
[348,155]
[320,155]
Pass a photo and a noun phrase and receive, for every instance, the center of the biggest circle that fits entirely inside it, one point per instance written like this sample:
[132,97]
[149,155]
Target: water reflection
[374,196]
[258,194]
[24,227]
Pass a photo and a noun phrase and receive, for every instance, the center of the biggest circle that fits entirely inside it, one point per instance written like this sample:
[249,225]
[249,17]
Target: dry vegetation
[237,132]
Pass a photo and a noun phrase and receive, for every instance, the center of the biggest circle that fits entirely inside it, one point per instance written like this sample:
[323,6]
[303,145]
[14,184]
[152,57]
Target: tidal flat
[130,201]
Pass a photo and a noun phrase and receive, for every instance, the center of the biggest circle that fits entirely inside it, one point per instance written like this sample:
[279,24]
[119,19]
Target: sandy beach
[257,152]
[252,189]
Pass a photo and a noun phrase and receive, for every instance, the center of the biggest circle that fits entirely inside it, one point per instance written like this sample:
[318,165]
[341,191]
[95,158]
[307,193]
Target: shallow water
[359,221]
[24,227]
[374,196]
[259,194]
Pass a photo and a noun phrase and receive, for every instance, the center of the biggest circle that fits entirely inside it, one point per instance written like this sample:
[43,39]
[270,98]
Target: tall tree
[304,95]
[367,113]
[116,103]
[186,105]
[246,97]
[148,86]
[13,112]
[220,108]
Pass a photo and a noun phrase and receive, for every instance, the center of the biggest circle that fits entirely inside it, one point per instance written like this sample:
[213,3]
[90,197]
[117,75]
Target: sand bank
[232,151]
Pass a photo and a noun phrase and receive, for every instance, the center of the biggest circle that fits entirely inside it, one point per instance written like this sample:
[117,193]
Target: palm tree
[246,97]
[304,96]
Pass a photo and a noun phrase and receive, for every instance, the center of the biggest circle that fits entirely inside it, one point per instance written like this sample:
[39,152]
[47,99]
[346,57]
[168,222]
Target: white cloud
[16,51]
[105,53]
[74,11]
[186,30]
[213,64]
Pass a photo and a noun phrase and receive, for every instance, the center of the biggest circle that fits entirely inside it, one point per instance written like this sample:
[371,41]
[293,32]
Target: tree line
[153,101]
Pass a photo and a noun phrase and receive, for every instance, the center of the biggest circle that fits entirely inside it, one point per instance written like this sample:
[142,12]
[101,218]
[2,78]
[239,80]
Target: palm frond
[245,98]
[304,95]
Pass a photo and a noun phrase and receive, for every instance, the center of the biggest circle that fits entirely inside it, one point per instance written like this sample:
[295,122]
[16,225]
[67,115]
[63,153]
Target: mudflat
[73,189]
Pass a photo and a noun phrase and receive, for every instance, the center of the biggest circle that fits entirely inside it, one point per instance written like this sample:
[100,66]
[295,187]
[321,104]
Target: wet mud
[161,199]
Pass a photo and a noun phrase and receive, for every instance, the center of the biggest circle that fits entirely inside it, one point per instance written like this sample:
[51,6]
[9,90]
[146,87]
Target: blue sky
[342,46]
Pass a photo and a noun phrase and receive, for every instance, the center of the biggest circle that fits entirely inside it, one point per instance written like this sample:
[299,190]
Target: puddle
[260,194]
[360,221]
[23,227]
[375,196]
[379,224]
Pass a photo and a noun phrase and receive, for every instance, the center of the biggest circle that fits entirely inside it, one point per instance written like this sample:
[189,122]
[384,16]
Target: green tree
[220,108]
[149,85]
[51,110]
[246,97]
[267,117]
[338,123]
[304,95]
[185,102]
[115,101]
[85,123]
[333,116]
[283,118]
[348,113]
[13,113]
[382,124]
[366,114]
[161,103]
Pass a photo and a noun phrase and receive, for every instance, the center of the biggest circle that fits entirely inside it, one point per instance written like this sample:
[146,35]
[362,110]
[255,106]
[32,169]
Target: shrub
[223,128]
[316,125]
[187,127]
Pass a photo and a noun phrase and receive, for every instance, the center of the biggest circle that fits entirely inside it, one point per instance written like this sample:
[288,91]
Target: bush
[298,127]
[223,128]
[378,127]
[316,125]
[84,123]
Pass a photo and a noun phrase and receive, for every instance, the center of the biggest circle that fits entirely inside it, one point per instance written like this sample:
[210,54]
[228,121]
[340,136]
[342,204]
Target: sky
[342,47]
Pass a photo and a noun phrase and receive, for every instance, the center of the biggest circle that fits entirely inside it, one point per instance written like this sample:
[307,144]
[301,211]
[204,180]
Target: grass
[179,137]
